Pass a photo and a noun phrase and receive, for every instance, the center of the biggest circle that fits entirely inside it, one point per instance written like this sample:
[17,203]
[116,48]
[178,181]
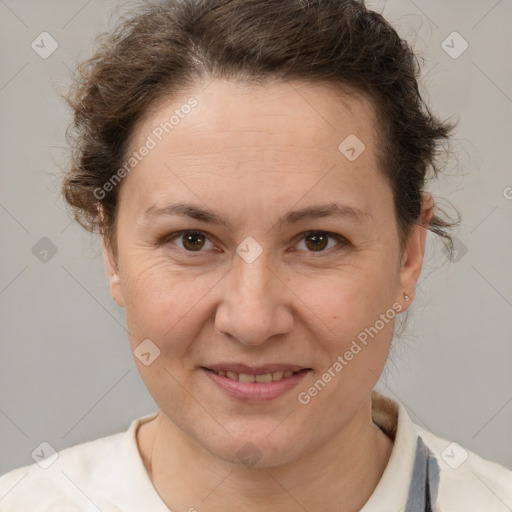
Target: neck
[339,476]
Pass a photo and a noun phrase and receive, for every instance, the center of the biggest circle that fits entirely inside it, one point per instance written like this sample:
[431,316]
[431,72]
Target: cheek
[161,302]
[351,299]
[354,339]
[357,310]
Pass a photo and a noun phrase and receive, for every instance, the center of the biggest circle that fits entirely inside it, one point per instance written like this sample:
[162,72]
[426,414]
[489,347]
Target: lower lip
[252,392]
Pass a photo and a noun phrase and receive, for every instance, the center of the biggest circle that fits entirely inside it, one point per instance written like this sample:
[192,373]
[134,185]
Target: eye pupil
[192,238]
[319,241]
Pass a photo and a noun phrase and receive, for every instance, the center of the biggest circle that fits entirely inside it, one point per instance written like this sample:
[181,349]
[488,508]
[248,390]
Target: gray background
[66,371]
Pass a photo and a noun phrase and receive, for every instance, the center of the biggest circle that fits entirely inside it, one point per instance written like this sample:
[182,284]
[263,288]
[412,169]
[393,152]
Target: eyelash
[343,242]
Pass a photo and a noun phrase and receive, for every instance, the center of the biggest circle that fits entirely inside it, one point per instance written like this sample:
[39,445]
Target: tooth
[244,377]
[266,377]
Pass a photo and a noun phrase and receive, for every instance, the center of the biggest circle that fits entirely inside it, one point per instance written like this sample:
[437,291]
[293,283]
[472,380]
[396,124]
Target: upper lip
[255,370]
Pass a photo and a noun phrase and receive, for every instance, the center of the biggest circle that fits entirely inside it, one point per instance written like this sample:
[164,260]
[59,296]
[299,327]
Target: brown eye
[191,241]
[318,241]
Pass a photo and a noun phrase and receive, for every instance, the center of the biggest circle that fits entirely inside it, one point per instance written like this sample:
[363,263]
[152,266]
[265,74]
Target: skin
[252,154]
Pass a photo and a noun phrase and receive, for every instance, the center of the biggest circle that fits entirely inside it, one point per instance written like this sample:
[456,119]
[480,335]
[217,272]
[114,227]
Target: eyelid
[342,241]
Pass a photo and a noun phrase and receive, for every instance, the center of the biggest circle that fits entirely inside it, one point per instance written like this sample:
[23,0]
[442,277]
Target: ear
[111,266]
[412,259]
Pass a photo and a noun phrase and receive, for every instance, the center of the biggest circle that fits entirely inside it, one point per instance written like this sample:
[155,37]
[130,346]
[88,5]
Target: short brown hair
[161,48]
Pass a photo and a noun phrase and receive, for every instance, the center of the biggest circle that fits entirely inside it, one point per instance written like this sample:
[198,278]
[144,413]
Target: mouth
[255,384]
[260,377]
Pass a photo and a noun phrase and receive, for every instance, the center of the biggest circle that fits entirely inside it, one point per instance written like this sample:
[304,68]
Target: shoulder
[467,482]
[62,481]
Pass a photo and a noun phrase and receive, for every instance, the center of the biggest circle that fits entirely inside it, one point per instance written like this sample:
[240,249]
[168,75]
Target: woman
[256,173]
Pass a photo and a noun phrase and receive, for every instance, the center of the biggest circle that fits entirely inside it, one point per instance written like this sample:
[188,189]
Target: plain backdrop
[66,371]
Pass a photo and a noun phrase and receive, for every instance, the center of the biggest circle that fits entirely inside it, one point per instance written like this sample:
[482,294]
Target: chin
[256,451]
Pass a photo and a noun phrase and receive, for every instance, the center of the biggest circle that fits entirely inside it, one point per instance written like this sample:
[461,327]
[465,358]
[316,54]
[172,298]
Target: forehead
[326,113]
[277,136]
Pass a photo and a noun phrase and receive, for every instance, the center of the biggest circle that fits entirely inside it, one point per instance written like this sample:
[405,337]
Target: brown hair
[161,48]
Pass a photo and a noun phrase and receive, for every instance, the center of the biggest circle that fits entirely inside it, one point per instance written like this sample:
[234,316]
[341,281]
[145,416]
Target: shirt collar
[392,491]
[133,487]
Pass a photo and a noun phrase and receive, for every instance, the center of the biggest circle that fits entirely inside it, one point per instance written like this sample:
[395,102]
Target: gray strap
[425,481]
[432,480]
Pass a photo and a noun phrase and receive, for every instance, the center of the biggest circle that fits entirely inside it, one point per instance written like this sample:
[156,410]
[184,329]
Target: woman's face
[250,291]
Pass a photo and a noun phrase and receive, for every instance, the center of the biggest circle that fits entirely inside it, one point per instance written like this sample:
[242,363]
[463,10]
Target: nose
[255,303]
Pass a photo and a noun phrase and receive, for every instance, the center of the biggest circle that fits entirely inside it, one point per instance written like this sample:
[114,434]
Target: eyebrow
[311,212]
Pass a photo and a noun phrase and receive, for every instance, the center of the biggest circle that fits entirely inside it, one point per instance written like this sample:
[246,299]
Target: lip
[256,392]
[255,370]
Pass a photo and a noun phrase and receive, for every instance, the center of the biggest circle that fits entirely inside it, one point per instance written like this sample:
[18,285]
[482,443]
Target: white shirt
[108,474]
